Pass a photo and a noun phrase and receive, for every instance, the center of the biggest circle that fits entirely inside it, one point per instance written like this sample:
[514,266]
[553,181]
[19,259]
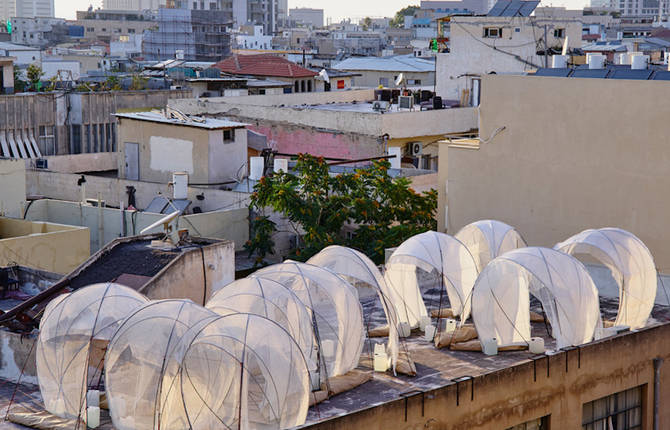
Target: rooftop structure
[272,66]
[385,70]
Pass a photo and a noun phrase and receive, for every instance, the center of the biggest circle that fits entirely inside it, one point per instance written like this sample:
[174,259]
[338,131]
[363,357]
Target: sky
[355,9]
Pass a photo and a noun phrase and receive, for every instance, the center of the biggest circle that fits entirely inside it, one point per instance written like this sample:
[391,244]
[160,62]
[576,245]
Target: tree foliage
[377,210]
[399,19]
[34,74]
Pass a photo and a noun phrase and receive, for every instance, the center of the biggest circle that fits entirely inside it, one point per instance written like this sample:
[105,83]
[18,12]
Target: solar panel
[499,7]
[157,205]
[661,75]
[528,7]
[558,72]
[631,74]
[594,73]
[512,9]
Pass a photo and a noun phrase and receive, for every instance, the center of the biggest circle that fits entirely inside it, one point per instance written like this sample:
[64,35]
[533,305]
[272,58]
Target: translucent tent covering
[431,252]
[74,329]
[142,364]
[501,301]
[243,371]
[632,267]
[335,310]
[356,267]
[488,239]
[272,300]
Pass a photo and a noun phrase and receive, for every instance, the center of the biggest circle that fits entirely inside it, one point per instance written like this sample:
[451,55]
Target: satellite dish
[324,75]
[565,46]
[165,222]
[399,80]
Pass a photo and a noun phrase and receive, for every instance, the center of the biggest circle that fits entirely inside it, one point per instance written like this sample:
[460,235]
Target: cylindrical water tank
[536,345]
[256,168]
[639,62]
[281,164]
[596,61]
[180,185]
[396,162]
[559,61]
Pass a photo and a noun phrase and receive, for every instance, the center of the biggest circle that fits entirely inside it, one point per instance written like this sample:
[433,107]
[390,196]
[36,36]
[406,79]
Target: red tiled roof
[263,65]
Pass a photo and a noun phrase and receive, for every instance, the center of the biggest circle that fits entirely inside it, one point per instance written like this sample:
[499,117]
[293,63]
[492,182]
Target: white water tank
[424,321]
[559,61]
[596,61]
[180,185]
[536,345]
[281,165]
[449,325]
[257,164]
[395,161]
[639,62]
[404,329]
[429,333]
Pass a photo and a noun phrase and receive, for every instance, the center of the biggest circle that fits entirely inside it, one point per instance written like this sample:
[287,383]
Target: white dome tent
[335,310]
[488,239]
[501,300]
[356,267]
[73,333]
[431,252]
[632,267]
[142,364]
[243,371]
[270,299]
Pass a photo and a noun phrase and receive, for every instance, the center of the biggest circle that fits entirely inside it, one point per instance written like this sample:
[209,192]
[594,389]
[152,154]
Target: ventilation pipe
[596,61]
[559,61]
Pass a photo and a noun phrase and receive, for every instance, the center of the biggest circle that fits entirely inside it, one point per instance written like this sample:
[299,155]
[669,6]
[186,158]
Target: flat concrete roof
[437,368]
[206,123]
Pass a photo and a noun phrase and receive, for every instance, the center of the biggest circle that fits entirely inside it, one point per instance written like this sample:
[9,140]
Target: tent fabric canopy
[357,267]
[244,371]
[334,307]
[271,300]
[142,364]
[430,251]
[632,267]
[488,239]
[501,301]
[73,332]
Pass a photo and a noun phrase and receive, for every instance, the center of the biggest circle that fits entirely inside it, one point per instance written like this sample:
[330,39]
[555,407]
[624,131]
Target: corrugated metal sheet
[401,63]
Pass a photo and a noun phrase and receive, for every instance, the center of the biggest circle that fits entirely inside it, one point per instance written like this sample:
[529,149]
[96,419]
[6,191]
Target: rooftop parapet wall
[46,246]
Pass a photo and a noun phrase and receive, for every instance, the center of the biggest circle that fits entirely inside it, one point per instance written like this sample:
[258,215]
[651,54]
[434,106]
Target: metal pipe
[360,160]
[657,390]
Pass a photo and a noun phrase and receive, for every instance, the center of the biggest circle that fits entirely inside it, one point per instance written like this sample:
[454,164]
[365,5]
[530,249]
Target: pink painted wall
[294,140]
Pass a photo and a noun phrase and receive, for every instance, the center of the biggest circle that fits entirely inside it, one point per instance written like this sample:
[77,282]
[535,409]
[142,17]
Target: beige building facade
[573,154]
[12,187]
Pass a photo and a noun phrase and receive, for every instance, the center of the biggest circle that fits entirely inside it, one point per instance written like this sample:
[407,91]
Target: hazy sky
[334,9]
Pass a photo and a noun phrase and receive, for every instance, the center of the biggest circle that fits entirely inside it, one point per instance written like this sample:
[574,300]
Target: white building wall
[312,17]
[256,41]
[472,54]
[33,8]
[62,68]
[7,9]
[133,4]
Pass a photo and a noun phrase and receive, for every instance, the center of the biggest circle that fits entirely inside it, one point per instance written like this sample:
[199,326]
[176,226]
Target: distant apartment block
[39,31]
[308,16]
[195,35]
[133,4]
[114,25]
[26,8]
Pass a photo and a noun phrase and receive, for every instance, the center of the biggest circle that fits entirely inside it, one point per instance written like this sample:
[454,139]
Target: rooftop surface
[398,63]
[263,65]
[206,123]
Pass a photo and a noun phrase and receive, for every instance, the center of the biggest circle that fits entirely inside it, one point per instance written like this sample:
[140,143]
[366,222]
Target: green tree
[139,82]
[34,74]
[112,84]
[379,211]
[367,23]
[19,84]
[399,19]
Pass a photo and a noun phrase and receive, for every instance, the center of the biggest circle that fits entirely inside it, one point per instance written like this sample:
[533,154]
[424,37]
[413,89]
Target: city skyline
[344,9]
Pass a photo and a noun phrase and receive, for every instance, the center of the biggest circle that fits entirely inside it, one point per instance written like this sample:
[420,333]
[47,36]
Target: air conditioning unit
[406,102]
[415,149]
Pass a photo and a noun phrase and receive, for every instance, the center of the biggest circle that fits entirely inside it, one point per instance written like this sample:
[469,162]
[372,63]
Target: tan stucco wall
[106,224]
[575,154]
[75,163]
[46,246]
[196,275]
[12,187]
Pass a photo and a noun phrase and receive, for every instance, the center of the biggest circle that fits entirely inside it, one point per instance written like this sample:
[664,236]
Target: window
[228,136]
[493,32]
[517,30]
[559,32]
[297,87]
[384,82]
[414,82]
[537,424]
[309,86]
[302,86]
[621,411]
[131,31]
